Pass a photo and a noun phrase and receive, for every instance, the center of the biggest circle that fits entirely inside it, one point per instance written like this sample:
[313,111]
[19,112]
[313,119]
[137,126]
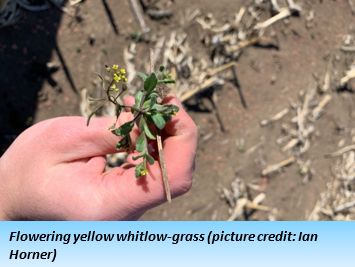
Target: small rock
[347,38]
[52,66]
[92,38]
[273,79]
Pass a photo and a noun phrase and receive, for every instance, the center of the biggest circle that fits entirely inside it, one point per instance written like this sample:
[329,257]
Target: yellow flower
[123,77]
[123,71]
[115,67]
[116,78]
[144,172]
[175,113]
[112,127]
[125,80]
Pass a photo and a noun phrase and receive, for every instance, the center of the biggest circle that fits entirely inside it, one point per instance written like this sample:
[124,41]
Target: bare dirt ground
[267,77]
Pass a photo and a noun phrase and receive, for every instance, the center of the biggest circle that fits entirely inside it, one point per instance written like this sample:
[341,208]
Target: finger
[129,101]
[123,196]
[72,139]
[181,144]
[97,164]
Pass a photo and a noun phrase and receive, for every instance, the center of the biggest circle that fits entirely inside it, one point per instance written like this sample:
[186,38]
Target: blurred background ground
[48,58]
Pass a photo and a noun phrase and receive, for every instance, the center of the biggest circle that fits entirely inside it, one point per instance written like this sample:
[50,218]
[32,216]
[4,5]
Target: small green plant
[104,50]
[137,36]
[146,111]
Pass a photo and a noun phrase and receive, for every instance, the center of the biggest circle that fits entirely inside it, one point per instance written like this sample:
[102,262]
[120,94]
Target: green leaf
[148,118]
[145,155]
[142,155]
[167,109]
[137,99]
[148,131]
[161,68]
[153,94]
[123,143]
[158,120]
[140,124]
[118,110]
[124,129]
[167,118]
[140,143]
[153,101]
[156,106]
[139,169]
[130,142]
[102,79]
[149,159]
[146,104]
[150,83]
[92,113]
[142,75]
[166,81]
[176,108]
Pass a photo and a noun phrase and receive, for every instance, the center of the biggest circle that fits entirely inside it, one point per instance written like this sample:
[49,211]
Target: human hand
[55,170]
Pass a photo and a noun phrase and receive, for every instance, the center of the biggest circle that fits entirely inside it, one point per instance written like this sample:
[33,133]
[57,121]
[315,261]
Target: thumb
[129,101]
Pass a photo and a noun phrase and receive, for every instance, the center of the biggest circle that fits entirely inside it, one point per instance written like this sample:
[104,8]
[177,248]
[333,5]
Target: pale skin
[55,170]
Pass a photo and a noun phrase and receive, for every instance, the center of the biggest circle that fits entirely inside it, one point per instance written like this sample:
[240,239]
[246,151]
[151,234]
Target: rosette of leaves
[146,111]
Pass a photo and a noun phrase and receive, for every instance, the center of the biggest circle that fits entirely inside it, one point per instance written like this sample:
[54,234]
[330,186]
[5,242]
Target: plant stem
[108,93]
[142,100]
[163,166]
[145,149]
[160,145]
[136,116]
[97,99]
[131,107]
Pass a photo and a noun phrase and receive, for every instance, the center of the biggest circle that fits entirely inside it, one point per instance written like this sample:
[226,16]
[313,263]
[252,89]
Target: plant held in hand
[146,111]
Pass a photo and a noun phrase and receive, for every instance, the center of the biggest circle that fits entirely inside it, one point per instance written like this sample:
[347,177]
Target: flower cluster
[118,76]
